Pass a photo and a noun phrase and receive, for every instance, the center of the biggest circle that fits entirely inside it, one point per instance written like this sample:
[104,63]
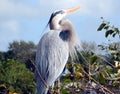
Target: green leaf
[108,32]
[101,26]
[116,84]
[93,59]
[11,88]
[64,91]
[78,75]
[111,31]
[117,30]
[114,34]
[116,46]
[102,79]
[106,27]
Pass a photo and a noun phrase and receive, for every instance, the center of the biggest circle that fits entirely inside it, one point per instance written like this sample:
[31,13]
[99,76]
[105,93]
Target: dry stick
[94,79]
[41,77]
[105,88]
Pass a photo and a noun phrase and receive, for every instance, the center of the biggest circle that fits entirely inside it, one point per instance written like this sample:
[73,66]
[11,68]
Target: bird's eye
[62,12]
[59,12]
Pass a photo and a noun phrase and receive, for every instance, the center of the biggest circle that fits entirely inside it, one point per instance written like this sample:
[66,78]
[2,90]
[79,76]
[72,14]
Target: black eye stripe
[59,12]
[54,14]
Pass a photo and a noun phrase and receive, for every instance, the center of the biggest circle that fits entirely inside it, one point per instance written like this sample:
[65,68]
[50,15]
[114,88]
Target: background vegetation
[96,69]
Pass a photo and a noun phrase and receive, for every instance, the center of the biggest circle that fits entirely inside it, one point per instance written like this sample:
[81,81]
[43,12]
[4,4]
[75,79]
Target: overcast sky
[26,19]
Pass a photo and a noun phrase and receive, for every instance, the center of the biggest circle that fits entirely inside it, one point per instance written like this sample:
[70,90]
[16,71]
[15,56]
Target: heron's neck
[73,40]
[54,25]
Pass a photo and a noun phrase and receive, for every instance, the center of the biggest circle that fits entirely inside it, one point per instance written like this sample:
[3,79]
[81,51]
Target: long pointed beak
[68,11]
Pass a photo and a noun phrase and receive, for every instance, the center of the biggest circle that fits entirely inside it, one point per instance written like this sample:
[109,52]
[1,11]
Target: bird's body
[53,52]
[49,68]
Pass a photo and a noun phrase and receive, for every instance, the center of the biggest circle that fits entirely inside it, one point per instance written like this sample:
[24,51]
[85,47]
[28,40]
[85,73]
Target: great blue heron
[54,49]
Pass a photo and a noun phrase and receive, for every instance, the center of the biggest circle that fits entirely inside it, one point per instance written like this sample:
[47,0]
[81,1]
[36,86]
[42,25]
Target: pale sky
[26,19]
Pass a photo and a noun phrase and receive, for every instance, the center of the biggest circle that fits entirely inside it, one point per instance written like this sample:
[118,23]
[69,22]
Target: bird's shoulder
[52,38]
[57,34]
[51,35]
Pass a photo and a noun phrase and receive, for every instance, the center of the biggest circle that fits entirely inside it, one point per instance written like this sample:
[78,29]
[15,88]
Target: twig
[93,78]
[43,81]
[98,82]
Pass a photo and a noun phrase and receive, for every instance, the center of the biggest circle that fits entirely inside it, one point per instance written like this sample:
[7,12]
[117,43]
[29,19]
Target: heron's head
[57,16]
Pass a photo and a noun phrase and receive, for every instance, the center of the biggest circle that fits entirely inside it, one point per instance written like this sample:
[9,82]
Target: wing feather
[52,55]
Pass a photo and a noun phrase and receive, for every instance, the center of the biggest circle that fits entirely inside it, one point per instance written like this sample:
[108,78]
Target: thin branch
[105,88]
[43,81]
[93,78]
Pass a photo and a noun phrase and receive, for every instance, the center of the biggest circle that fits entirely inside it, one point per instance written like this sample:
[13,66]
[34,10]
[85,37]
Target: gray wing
[52,55]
